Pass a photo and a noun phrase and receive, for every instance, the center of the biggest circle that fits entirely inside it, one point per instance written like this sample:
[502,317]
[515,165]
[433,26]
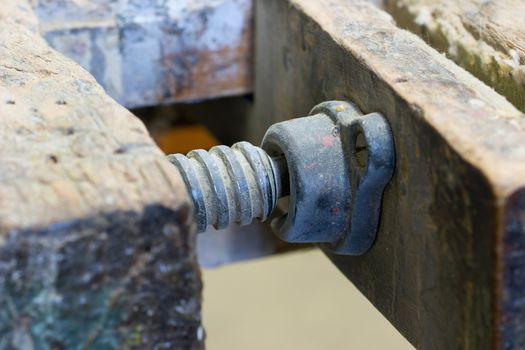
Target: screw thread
[229,185]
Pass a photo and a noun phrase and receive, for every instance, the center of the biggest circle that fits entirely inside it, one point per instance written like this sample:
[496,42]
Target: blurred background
[295,300]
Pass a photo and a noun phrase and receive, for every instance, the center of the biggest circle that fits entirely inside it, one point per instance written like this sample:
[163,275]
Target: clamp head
[339,162]
[335,165]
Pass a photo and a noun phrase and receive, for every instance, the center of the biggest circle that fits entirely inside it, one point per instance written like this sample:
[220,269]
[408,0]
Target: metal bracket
[334,165]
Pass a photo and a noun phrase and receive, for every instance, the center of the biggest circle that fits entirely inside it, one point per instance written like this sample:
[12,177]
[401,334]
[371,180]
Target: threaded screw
[234,184]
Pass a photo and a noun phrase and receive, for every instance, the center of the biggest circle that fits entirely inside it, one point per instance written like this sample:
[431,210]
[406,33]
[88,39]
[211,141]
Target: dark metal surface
[336,184]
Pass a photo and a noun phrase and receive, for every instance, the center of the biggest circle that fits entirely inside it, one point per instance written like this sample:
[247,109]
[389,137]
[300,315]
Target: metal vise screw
[228,185]
[333,164]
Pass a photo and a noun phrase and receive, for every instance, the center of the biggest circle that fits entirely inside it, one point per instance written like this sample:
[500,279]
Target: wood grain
[446,266]
[96,238]
[487,38]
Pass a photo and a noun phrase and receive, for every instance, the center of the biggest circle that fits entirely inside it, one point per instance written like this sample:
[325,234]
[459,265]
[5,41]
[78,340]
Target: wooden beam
[148,53]
[487,38]
[96,241]
[447,267]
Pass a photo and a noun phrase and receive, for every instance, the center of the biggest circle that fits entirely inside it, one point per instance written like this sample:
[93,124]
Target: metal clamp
[334,165]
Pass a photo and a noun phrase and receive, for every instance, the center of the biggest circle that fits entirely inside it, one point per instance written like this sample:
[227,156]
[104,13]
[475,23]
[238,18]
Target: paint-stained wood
[447,267]
[485,37]
[150,52]
[96,241]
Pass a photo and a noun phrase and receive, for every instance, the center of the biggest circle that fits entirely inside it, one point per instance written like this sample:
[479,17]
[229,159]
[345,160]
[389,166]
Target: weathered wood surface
[96,241]
[150,52]
[448,264]
[485,37]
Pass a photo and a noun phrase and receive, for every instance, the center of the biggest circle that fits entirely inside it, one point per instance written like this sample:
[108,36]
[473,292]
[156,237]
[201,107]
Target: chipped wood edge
[482,37]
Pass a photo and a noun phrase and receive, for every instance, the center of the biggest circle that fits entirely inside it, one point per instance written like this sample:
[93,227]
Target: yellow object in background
[184,138]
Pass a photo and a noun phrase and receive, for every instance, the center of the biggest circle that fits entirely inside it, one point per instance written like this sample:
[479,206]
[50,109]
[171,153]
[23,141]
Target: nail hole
[120,150]
[66,131]
[61,102]
[10,102]
[53,158]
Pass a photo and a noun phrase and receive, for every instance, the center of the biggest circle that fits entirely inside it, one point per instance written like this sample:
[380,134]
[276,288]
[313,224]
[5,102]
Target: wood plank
[487,38]
[447,267]
[150,52]
[96,240]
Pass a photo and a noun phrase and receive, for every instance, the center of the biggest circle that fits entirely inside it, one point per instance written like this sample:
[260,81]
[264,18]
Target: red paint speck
[310,166]
[334,210]
[328,140]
